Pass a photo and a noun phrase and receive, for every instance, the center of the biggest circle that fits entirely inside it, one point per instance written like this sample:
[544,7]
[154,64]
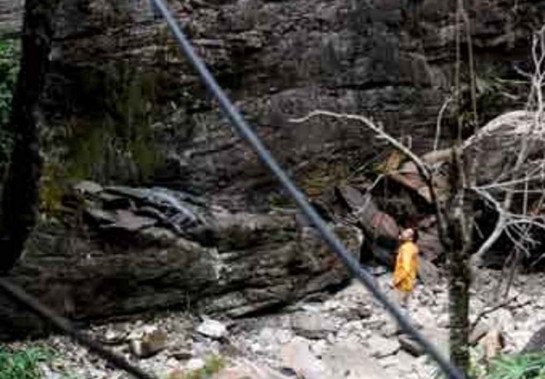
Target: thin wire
[18,295]
[312,216]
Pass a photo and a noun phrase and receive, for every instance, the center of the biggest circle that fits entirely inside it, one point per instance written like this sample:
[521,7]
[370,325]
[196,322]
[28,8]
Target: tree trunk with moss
[459,277]
[459,309]
[20,199]
[460,212]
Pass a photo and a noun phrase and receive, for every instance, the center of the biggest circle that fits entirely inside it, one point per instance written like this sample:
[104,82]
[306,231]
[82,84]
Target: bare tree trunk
[459,220]
[21,190]
[460,212]
[459,283]
[458,310]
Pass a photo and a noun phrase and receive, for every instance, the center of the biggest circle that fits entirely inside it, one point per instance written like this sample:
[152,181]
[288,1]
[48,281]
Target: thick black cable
[19,296]
[312,216]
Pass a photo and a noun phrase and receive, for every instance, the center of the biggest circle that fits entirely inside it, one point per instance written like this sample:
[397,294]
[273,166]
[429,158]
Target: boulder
[428,242]
[536,343]
[352,361]
[428,272]
[129,222]
[213,329]
[314,325]
[147,342]
[381,229]
[120,263]
[298,357]
[381,347]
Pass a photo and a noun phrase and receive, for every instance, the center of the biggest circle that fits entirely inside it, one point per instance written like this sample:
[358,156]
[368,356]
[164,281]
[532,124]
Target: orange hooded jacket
[406,266]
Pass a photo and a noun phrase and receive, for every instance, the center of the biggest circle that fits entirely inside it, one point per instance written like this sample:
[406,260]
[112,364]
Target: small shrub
[213,365]
[521,366]
[23,364]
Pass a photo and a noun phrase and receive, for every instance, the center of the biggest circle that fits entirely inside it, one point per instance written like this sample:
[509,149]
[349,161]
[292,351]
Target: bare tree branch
[498,229]
[421,166]
[534,131]
[439,121]
[377,130]
[488,311]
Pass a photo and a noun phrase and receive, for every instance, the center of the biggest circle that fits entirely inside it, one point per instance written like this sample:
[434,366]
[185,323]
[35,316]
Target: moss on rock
[114,141]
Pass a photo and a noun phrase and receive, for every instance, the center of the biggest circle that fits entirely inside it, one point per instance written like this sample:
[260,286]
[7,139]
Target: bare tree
[478,171]
[521,131]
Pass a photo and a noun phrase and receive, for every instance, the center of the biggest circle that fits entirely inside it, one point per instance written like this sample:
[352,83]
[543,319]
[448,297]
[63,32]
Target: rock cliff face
[125,106]
[10,16]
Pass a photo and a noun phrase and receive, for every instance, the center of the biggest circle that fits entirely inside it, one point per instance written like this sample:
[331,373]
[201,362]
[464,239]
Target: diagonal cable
[246,132]
[21,297]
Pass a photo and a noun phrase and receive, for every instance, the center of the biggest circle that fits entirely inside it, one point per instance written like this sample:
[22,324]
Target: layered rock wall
[127,107]
[122,251]
[11,17]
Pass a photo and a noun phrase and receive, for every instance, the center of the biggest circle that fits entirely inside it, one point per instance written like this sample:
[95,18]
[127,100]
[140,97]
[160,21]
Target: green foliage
[521,366]
[115,140]
[212,365]
[52,191]
[23,364]
[323,175]
[277,200]
[111,141]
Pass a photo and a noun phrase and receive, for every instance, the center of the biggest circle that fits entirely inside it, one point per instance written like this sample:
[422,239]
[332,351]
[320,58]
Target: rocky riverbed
[340,335]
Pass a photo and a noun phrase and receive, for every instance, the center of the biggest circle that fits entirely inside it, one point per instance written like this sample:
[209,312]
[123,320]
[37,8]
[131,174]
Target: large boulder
[536,343]
[108,259]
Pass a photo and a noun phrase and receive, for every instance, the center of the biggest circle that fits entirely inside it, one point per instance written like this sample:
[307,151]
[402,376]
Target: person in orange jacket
[406,266]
